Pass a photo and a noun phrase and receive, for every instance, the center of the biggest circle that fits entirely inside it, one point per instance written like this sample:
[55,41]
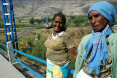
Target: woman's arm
[73,53]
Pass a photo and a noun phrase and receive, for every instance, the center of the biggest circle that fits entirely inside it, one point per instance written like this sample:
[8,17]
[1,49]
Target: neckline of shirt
[57,35]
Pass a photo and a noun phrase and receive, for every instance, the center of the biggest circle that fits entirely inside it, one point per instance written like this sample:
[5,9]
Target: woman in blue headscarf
[97,52]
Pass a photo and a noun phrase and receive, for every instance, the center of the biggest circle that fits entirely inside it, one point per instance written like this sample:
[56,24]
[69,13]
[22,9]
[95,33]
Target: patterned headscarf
[106,9]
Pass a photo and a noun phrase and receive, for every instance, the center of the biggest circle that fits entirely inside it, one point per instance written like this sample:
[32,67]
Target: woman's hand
[45,63]
[73,53]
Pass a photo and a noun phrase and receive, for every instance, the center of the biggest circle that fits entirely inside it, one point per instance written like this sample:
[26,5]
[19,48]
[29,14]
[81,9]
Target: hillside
[38,8]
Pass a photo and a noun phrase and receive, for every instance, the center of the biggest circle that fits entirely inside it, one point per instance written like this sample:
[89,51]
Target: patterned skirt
[54,71]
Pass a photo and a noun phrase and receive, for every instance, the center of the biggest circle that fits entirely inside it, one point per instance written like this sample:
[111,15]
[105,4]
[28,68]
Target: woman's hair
[111,24]
[61,15]
[63,18]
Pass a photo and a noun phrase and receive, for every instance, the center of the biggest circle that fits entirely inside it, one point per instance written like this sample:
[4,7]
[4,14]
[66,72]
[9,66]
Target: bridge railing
[3,50]
[12,58]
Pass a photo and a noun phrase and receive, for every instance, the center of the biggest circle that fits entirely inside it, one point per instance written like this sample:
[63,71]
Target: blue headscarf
[106,9]
[100,50]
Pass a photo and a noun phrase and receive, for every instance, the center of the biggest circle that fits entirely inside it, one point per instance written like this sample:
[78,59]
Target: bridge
[7,70]
[8,66]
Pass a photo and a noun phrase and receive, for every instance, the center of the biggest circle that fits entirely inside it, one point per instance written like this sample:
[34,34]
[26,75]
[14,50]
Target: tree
[38,21]
[32,20]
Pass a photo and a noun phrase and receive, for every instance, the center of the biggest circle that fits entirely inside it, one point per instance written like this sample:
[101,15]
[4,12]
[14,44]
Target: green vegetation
[2,39]
[77,21]
[1,23]
[21,24]
[115,22]
[32,20]
[27,44]
[40,21]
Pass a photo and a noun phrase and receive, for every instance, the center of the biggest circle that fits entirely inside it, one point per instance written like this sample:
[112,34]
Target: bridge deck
[7,70]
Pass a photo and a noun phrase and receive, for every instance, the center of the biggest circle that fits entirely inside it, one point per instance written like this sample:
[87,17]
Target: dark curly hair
[63,18]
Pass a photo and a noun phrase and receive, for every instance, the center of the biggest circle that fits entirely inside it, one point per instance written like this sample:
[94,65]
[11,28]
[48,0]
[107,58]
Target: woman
[97,52]
[58,44]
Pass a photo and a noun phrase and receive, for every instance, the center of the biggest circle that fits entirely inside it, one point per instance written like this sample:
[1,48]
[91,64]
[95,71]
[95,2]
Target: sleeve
[69,42]
[79,59]
[81,51]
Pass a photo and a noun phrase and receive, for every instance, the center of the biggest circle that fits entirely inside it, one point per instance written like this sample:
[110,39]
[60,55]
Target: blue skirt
[54,71]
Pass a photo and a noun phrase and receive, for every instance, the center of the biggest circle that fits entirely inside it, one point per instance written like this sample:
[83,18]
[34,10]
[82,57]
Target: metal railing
[22,34]
[11,58]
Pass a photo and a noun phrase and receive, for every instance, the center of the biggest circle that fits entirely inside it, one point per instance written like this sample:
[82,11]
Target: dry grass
[78,34]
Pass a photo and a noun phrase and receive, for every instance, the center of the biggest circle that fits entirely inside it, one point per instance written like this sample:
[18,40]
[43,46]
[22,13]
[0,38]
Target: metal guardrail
[2,49]
[37,74]
[3,45]
[35,58]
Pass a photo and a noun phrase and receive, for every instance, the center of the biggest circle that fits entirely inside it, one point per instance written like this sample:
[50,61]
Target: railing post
[36,36]
[10,52]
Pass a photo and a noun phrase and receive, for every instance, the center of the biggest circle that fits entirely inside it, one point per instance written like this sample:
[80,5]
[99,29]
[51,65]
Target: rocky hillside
[38,8]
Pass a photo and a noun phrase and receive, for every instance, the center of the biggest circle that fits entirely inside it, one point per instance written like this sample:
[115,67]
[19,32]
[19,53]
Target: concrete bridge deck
[7,70]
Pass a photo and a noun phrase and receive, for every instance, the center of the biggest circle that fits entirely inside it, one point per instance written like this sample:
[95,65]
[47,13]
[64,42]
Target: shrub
[72,24]
[32,20]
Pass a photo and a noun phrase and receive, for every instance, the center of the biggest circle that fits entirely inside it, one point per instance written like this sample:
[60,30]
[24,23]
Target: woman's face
[58,24]
[97,21]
